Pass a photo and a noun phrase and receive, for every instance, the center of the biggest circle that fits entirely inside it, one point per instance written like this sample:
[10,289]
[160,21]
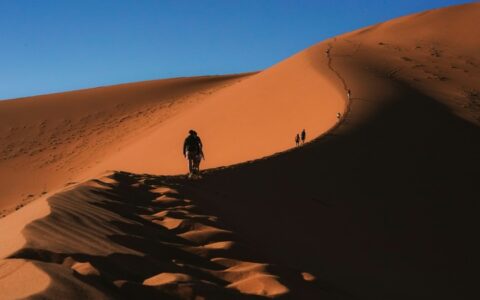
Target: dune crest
[106,230]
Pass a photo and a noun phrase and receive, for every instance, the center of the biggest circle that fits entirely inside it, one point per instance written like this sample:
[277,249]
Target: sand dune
[56,139]
[381,206]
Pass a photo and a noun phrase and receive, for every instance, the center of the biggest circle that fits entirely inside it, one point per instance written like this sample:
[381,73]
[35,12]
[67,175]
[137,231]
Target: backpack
[193,144]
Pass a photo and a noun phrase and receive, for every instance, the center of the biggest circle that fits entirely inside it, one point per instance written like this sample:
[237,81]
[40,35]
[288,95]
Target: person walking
[297,140]
[304,136]
[193,151]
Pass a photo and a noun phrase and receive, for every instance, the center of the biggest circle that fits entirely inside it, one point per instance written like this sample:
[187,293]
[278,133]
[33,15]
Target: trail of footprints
[184,253]
[135,237]
[209,240]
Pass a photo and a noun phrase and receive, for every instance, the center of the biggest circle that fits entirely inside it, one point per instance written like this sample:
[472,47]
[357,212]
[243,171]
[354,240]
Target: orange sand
[381,206]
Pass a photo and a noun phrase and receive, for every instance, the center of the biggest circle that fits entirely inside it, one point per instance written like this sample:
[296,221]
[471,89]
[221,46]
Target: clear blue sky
[50,46]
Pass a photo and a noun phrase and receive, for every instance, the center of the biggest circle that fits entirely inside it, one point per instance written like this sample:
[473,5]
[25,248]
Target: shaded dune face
[382,206]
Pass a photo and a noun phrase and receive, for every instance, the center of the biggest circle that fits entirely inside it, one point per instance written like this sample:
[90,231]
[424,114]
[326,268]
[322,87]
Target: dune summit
[382,204]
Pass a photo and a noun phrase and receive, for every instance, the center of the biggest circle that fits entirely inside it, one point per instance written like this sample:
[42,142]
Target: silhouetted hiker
[297,139]
[192,150]
[349,93]
[304,135]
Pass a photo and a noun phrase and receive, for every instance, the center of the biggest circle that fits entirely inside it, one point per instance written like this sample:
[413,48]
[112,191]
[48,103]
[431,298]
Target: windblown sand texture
[383,204]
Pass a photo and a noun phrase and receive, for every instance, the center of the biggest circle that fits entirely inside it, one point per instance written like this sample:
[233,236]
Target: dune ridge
[382,205]
[116,230]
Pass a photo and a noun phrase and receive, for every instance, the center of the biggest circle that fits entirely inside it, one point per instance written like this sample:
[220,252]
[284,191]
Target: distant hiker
[297,140]
[192,150]
[339,115]
[349,93]
[304,135]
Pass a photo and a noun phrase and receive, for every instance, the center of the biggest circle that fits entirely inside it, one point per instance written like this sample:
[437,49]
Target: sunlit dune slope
[254,118]
[48,141]
[55,139]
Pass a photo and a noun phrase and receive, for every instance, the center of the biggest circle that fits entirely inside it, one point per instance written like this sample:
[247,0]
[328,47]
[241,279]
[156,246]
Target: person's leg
[190,165]
[198,164]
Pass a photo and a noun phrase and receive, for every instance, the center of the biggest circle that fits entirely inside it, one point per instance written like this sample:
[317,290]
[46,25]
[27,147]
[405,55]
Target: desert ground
[381,202]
